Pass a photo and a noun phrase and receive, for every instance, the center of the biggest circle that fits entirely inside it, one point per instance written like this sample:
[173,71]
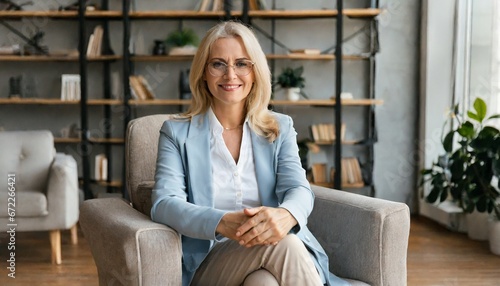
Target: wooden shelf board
[271,14]
[66,140]
[92,140]
[344,186]
[106,140]
[160,102]
[55,101]
[59,14]
[327,102]
[104,102]
[55,58]
[42,101]
[149,58]
[354,13]
[345,142]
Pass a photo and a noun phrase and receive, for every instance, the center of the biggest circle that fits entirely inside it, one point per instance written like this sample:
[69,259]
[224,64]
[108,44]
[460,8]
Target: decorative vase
[494,235]
[159,48]
[477,225]
[293,93]
[188,50]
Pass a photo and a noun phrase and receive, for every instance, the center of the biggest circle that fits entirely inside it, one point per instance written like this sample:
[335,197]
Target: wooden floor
[436,256]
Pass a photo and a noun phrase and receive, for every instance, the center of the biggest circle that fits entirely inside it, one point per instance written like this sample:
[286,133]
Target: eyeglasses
[240,67]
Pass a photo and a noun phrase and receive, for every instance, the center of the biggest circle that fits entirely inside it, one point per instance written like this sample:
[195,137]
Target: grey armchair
[365,238]
[46,187]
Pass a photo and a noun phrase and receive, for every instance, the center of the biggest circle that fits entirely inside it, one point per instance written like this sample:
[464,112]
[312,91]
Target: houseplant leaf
[466,130]
[480,107]
[448,141]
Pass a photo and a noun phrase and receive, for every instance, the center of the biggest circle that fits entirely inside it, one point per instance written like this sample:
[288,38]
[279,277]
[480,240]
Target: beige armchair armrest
[365,238]
[62,193]
[128,248]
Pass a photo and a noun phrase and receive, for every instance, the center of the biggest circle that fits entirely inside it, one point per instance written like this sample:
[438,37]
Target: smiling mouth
[229,87]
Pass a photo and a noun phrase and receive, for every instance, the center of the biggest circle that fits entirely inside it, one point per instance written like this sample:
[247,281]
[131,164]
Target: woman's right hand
[229,223]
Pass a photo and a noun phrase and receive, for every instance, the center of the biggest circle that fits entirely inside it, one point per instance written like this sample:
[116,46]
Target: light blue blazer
[183,196]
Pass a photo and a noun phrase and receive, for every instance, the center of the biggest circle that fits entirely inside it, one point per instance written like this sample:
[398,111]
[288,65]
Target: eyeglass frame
[233,66]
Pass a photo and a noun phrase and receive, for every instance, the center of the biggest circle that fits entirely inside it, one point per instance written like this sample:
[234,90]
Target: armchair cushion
[28,204]
[28,155]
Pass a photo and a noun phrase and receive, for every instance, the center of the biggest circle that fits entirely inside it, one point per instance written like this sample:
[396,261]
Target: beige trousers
[287,263]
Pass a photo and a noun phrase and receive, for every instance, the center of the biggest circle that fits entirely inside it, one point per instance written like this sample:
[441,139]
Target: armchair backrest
[141,147]
[28,154]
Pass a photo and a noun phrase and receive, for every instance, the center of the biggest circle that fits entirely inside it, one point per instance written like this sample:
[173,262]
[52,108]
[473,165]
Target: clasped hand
[257,226]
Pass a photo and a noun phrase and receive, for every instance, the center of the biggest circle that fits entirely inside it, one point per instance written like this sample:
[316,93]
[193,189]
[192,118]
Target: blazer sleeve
[292,188]
[170,194]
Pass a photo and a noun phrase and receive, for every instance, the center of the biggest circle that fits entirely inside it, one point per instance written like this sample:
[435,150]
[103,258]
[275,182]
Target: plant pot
[182,51]
[293,93]
[494,235]
[477,225]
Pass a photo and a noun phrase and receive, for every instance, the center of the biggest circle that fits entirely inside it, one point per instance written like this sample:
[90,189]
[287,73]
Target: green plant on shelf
[181,38]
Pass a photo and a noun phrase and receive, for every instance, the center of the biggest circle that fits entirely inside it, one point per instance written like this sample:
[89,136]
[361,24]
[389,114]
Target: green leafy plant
[181,38]
[466,173]
[292,77]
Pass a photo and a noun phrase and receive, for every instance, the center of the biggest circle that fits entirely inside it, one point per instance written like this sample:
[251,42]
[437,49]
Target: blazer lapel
[265,169]
[198,162]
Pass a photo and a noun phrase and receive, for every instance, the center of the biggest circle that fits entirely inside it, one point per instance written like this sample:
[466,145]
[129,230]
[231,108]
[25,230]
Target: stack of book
[70,87]
[351,173]
[304,52]
[140,88]
[236,5]
[94,46]
[101,167]
[325,132]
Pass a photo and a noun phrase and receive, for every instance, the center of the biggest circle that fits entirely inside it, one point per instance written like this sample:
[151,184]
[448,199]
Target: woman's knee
[260,277]
[291,241]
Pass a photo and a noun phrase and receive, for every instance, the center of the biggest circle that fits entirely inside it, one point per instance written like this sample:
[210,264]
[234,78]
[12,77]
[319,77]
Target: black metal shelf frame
[85,144]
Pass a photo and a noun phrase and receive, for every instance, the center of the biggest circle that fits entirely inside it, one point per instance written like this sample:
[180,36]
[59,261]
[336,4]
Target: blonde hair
[260,118]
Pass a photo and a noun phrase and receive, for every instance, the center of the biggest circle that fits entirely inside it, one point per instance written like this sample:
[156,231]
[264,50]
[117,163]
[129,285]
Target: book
[94,46]
[70,87]
[101,167]
[319,173]
[90,45]
[308,51]
[147,87]
[204,5]
[137,88]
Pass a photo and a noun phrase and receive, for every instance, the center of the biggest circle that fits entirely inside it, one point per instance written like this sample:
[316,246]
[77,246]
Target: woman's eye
[218,65]
[241,64]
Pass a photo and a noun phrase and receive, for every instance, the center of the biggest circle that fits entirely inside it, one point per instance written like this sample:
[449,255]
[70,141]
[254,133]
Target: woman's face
[232,86]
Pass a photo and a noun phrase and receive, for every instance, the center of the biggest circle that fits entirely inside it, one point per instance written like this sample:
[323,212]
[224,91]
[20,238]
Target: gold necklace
[229,129]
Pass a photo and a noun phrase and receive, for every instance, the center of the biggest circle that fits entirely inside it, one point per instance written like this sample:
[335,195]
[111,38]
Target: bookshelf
[106,106]
[325,105]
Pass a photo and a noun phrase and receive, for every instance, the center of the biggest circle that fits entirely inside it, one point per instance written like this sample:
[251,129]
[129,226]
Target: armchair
[46,187]
[365,238]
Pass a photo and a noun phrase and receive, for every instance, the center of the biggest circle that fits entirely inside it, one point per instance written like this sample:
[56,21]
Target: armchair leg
[74,234]
[55,246]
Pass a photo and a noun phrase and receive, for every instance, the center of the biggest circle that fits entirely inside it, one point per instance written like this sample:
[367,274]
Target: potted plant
[182,42]
[292,81]
[470,172]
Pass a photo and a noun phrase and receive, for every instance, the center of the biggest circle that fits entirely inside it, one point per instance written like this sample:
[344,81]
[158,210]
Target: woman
[229,178]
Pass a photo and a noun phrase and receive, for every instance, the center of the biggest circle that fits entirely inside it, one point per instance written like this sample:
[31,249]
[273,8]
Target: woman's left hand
[265,226]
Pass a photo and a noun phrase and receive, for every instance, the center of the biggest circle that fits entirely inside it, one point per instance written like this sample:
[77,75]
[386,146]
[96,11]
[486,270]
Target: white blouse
[234,185]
